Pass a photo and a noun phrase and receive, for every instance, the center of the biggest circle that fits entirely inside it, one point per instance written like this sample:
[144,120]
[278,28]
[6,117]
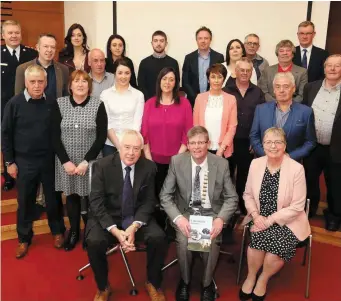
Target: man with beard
[151,66]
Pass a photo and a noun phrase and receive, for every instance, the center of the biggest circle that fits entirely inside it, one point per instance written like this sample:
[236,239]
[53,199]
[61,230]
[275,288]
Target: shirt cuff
[110,227]
[140,223]
[176,218]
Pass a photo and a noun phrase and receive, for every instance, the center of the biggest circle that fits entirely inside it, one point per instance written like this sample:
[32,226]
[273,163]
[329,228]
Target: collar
[10,50]
[124,166]
[202,165]
[38,63]
[28,96]
[130,88]
[280,69]
[308,48]
[105,76]
[336,87]
[258,57]
[209,52]
[159,56]
[290,107]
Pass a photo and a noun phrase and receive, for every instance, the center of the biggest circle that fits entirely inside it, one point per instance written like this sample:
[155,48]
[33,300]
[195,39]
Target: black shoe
[332,221]
[208,293]
[258,298]
[243,296]
[8,185]
[71,241]
[182,292]
[333,225]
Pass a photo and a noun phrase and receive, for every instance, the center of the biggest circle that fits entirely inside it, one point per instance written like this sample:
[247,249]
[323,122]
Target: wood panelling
[333,44]
[40,6]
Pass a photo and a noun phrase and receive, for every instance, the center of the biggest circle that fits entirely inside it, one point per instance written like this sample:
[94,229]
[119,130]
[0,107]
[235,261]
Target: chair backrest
[307,207]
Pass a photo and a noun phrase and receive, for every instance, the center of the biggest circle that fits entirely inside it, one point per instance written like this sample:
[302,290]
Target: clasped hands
[260,223]
[184,226]
[126,238]
[71,169]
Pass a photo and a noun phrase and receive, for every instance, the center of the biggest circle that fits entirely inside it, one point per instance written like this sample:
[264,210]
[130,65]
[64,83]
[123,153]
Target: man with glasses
[307,55]
[295,119]
[252,45]
[199,183]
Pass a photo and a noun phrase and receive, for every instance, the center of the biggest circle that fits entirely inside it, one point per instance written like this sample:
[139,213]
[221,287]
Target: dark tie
[196,188]
[256,66]
[14,57]
[127,201]
[304,59]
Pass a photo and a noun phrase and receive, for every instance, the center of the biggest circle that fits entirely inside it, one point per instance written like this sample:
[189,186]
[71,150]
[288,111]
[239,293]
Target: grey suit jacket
[62,78]
[177,189]
[266,81]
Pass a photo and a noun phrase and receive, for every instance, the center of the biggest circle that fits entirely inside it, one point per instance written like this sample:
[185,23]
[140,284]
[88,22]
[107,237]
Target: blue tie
[127,201]
[304,59]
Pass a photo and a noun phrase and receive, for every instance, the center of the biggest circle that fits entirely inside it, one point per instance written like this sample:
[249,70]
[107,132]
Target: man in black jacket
[29,157]
[122,201]
[324,97]
[194,80]
[12,55]
[307,55]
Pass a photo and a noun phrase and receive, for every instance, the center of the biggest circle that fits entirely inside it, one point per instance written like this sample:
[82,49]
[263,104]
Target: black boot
[71,240]
[73,211]
[208,293]
[182,292]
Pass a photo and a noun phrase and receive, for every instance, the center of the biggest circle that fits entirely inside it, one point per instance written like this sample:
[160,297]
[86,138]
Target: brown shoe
[103,295]
[154,294]
[59,241]
[21,250]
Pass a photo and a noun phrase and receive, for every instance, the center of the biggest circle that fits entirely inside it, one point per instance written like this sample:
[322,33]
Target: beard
[159,50]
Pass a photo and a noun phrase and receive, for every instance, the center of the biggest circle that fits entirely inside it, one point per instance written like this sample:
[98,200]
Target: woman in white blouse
[217,112]
[124,105]
[235,50]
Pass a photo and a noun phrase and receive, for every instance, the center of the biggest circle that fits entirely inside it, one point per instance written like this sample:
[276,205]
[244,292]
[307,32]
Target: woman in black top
[75,53]
[116,49]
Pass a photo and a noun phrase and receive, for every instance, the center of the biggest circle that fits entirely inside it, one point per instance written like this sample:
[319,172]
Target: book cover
[200,240]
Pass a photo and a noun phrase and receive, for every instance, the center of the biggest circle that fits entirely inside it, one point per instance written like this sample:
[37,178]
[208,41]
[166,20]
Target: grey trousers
[185,257]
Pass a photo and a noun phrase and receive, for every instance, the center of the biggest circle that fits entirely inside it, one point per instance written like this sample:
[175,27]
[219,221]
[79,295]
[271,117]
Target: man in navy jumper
[29,157]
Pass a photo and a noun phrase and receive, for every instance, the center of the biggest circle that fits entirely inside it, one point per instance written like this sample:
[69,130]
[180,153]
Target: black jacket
[107,187]
[309,95]
[315,67]
[190,73]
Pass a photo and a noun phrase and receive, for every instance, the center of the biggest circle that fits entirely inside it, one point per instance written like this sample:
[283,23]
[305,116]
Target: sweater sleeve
[57,143]
[7,126]
[101,134]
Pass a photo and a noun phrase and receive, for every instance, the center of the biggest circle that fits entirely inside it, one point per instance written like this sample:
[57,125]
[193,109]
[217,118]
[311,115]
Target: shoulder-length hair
[68,48]
[162,73]
[80,74]
[112,37]
[228,50]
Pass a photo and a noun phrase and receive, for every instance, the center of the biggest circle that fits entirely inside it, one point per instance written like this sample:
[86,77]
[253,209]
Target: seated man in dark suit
[122,201]
[194,80]
[295,119]
[324,98]
[307,55]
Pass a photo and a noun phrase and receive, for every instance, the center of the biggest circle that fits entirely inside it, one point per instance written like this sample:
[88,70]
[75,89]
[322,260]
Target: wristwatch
[8,163]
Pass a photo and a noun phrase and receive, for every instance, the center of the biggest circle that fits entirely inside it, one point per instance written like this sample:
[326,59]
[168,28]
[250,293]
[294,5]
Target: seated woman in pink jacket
[275,196]
[217,112]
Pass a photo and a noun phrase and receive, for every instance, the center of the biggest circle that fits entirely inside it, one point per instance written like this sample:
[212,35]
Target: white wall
[136,21]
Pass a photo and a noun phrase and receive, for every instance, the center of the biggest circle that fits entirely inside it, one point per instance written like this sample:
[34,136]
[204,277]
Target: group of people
[168,153]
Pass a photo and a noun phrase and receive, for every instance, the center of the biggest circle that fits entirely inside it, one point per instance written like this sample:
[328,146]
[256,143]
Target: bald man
[101,80]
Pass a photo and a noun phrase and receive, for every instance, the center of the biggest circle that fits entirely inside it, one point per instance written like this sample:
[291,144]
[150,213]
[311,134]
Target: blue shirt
[203,64]
[281,117]
[51,88]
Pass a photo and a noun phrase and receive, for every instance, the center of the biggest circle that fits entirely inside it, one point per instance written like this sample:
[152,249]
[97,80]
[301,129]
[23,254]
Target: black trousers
[7,177]
[32,172]
[317,162]
[241,159]
[98,240]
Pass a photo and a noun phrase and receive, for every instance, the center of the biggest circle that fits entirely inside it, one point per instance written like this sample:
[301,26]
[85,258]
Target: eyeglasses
[305,33]
[276,142]
[254,44]
[194,143]
[247,71]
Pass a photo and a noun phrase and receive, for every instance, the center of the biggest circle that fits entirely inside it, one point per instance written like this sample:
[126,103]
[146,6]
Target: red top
[165,128]
[286,70]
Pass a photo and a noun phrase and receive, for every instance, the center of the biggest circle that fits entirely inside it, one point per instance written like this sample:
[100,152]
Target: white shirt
[253,78]
[17,51]
[124,110]
[308,54]
[213,117]
[205,200]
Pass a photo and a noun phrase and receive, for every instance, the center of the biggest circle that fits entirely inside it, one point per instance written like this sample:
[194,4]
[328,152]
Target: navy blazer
[299,129]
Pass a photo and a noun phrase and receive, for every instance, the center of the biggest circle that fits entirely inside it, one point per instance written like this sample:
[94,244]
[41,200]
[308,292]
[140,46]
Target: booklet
[200,240]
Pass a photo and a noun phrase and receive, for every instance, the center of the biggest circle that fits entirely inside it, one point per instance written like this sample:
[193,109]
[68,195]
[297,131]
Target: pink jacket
[228,122]
[291,195]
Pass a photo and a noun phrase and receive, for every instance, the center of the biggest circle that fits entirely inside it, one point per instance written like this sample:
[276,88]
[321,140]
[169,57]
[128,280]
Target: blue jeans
[108,150]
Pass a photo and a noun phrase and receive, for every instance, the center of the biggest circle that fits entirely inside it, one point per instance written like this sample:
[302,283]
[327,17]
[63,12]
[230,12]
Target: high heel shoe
[244,296]
[257,298]
[71,241]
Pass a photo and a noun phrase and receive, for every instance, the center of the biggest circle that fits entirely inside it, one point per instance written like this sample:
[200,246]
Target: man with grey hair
[13,53]
[252,45]
[285,51]
[295,119]
[122,202]
[27,149]
[101,80]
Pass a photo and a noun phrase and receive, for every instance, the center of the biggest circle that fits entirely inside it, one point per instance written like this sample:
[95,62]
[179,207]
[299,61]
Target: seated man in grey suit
[185,186]
[285,51]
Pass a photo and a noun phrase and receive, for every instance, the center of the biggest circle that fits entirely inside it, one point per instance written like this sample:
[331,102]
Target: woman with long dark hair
[75,53]
[116,49]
